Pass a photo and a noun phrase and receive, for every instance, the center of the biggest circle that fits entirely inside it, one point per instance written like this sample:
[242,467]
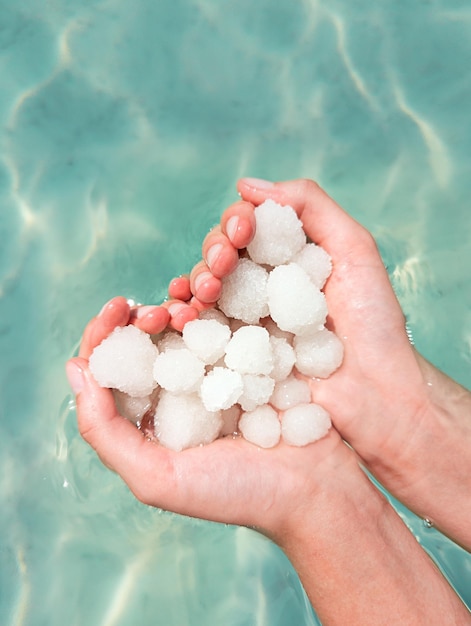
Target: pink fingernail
[213,253]
[258,183]
[75,376]
[232,226]
[202,278]
[142,311]
[175,308]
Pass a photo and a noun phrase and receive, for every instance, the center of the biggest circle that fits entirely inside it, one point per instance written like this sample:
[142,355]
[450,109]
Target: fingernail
[213,253]
[258,183]
[232,226]
[104,307]
[75,376]
[201,279]
[175,308]
[142,311]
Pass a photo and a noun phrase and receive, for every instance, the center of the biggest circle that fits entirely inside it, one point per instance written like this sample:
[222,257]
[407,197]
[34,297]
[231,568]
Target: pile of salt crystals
[233,370]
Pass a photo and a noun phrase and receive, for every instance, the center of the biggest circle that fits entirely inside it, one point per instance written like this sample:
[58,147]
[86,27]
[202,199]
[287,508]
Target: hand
[406,420]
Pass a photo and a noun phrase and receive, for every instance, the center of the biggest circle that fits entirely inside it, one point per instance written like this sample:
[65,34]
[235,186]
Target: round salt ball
[181,421]
[249,351]
[279,234]
[283,358]
[213,314]
[318,354]
[178,370]
[257,391]
[170,340]
[290,392]
[244,292]
[230,421]
[221,388]
[207,339]
[124,361]
[261,426]
[316,262]
[134,409]
[304,423]
[295,303]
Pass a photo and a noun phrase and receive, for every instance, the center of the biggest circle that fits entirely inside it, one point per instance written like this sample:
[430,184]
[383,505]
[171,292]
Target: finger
[219,253]
[150,319]
[238,223]
[179,288]
[115,313]
[180,313]
[205,286]
[324,221]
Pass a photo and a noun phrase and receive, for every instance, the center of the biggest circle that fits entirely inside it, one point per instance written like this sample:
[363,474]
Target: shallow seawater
[124,129]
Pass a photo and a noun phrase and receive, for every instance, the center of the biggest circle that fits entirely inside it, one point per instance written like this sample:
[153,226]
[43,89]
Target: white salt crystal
[124,361]
[279,234]
[183,422]
[249,351]
[283,358]
[304,423]
[261,426]
[178,370]
[134,409]
[214,314]
[244,292]
[294,303]
[230,419]
[207,339]
[289,393]
[257,391]
[316,262]
[221,388]
[318,354]
[170,340]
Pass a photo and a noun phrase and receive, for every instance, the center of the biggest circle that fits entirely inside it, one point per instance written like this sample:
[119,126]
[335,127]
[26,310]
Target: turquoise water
[124,127]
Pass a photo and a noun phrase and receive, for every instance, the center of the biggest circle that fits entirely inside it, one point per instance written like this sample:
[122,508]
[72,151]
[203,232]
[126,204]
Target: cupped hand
[378,396]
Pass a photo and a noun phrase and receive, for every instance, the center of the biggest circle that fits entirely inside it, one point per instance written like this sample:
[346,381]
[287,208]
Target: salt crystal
[249,351]
[257,391]
[316,262]
[261,426]
[318,354]
[279,234]
[214,314]
[290,392]
[304,424]
[134,409]
[207,339]
[178,371]
[124,361]
[294,303]
[244,292]
[183,422]
[170,340]
[283,358]
[221,388]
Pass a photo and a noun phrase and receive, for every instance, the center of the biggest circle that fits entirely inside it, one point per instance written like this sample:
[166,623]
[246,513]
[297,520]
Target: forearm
[431,474]
[359,564]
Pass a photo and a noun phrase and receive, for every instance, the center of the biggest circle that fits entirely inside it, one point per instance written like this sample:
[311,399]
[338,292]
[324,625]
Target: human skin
[409,423]
[358,562]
